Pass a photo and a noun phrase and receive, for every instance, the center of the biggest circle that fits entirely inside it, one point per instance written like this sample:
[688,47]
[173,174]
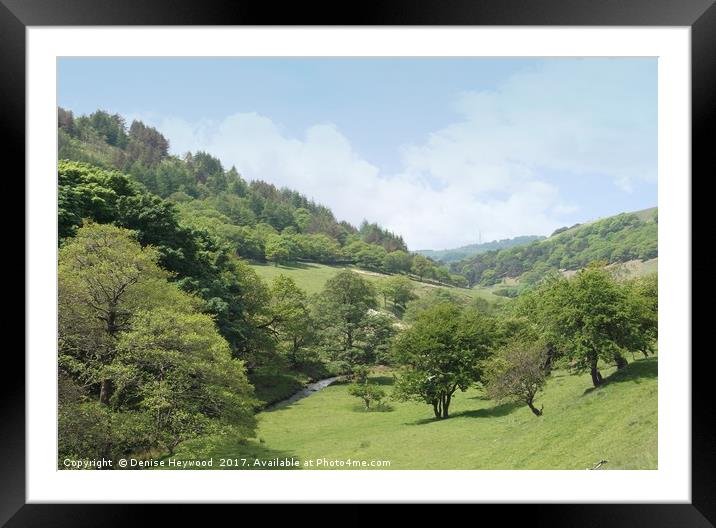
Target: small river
[311,388]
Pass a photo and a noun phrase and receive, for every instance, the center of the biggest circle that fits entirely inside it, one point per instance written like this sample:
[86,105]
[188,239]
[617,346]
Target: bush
[368,392]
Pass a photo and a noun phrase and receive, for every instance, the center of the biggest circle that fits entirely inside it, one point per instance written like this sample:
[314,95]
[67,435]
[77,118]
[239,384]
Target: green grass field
[580,427]
[311,277]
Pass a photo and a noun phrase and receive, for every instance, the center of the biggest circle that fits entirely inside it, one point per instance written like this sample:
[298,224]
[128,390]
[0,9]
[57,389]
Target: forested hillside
[255,219]
[621,238]
[463,252]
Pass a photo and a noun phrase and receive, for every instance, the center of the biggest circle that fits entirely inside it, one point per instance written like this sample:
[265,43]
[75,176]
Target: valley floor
[581,426]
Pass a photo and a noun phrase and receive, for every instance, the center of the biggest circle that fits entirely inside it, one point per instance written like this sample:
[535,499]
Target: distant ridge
[463,252]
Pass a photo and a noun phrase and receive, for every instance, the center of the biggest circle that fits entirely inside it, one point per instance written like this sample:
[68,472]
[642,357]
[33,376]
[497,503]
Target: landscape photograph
[360,263]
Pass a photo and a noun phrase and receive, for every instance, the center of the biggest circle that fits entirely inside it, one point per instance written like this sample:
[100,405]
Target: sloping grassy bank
[580,427]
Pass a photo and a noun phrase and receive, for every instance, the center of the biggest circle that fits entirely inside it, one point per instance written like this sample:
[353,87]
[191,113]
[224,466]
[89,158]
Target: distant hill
[463,252]
[616,239]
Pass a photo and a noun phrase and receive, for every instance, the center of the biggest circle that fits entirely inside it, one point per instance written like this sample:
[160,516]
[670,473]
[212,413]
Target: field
[581,426]
[311,277]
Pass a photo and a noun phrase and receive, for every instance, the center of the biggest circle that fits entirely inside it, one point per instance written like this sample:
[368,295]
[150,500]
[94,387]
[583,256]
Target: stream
[304,393]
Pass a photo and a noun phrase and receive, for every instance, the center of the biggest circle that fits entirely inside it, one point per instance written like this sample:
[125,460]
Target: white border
[670,483]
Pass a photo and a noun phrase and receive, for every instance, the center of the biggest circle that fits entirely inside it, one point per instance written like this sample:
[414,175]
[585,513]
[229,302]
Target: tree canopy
[129,379]
[442,352]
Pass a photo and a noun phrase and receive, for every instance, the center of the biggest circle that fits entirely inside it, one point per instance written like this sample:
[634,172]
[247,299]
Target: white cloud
[485,173]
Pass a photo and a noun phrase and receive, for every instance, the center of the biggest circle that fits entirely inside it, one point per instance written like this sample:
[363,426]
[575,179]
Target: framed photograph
[408,256]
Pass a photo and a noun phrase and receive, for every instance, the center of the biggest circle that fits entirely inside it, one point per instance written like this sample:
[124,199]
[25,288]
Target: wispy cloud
[491,171]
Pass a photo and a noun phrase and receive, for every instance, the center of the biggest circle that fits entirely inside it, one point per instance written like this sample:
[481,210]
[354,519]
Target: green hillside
[191,299]
[580,427]
[616,239]
[254,218]
[463,252]
[311,277]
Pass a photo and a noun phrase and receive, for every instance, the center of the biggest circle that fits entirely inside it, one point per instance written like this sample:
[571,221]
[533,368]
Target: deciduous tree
[518,372]
[442,352]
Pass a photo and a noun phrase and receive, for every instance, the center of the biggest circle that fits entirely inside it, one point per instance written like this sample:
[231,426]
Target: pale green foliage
[140,367]
[104,277]
[280,249]
[291,319]
[181,372]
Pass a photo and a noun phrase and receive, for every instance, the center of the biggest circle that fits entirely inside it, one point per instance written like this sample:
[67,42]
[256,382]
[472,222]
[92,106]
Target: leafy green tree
[517,373]
[399,290]
[302,218]
[397,261]
[88,430]
[264,231]
[173,176]
[441,352]
[374,337]
[643,296]
[458,280]
[88,192]
[277,214]
[237,185]
[433,297]
[442,274]
[373,234]
[186,381]
[342,312]
[278,250]
[354,247]
[110,127]
[589,317]
[291,319]
[146,145]
[203,166]
[104,277]
[489,277]
[318,247]
[371,257]
[422,266]
[248,243]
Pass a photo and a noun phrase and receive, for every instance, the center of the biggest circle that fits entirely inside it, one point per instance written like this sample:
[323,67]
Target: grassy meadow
[311,277]
[581,426]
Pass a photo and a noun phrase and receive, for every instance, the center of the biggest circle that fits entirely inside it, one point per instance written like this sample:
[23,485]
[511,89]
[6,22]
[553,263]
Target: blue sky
[436,149]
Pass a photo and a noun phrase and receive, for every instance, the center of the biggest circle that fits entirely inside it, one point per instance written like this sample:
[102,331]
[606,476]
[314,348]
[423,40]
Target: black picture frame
[699,15]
